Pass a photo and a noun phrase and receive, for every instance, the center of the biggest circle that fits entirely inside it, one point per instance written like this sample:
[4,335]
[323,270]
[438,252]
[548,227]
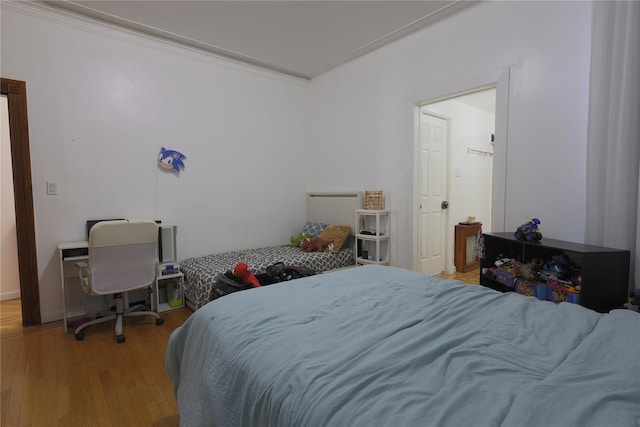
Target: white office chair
[122,258]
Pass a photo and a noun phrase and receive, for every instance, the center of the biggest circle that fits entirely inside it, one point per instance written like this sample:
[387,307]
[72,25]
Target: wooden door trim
[16,92]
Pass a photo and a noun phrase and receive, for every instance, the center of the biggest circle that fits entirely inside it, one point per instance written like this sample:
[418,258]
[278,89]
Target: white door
[433,193]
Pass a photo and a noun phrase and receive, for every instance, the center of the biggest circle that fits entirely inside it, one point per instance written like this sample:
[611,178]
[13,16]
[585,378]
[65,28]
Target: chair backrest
[122,256]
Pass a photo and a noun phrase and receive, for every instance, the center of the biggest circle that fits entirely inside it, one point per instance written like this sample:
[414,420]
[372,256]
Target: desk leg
[64,293]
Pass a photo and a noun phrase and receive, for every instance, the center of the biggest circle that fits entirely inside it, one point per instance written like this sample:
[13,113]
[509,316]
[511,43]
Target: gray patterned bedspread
[200,272]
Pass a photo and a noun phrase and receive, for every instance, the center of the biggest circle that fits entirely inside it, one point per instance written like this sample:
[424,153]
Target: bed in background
[335,208]
[200,272]
[382,346]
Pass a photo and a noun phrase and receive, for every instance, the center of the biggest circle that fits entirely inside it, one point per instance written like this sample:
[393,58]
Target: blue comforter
[382,346]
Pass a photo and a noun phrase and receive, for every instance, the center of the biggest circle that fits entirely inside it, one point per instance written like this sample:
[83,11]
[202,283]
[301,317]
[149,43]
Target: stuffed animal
[317,244]
[243,273]
[296,241]
[530,269]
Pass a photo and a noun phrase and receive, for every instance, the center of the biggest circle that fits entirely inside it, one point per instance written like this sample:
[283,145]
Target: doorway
[10,280]
[456,181]
[16,93]
[500,80]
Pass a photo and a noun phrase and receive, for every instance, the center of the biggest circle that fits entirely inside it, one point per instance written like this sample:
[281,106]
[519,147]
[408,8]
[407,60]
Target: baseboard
[6,296]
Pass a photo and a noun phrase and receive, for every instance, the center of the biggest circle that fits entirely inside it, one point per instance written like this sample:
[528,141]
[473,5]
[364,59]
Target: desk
[463,231]
[70,253]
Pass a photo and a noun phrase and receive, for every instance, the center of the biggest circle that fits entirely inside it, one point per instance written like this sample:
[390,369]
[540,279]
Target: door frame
[500,81]
[16,93]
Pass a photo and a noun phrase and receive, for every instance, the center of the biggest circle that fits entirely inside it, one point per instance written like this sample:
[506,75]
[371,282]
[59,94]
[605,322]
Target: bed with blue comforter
[383,346]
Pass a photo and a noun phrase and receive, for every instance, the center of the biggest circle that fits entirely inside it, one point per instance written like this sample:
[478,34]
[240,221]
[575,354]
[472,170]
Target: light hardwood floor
[470,277]
[50,379]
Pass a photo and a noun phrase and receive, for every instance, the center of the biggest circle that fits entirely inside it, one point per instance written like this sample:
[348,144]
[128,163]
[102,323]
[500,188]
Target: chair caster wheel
[159,321]
[120,339]
[79,336]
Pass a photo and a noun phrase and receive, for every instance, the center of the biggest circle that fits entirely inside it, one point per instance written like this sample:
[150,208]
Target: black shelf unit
[605,271]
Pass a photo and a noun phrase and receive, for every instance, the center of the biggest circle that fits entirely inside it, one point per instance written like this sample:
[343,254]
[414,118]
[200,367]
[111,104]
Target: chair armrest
[83,270]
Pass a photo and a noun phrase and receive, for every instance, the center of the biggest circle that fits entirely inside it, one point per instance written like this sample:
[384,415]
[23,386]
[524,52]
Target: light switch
[52,188]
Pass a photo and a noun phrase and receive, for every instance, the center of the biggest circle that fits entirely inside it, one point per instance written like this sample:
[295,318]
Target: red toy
[242,271]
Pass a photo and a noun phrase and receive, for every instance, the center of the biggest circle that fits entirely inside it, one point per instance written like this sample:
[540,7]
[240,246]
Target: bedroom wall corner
[102,102]
[365,110]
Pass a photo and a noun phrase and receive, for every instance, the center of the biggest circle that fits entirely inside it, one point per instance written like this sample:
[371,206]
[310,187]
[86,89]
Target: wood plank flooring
[470,277]
[50,379]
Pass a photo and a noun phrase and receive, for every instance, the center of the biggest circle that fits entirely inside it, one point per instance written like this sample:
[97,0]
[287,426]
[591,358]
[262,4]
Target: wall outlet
[52,188]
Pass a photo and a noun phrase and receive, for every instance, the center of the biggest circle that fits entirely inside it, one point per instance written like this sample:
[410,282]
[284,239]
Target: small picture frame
[373,200]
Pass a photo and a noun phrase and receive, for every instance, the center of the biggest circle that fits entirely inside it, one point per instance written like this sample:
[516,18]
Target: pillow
[313,228]
[348,243]
[336,234]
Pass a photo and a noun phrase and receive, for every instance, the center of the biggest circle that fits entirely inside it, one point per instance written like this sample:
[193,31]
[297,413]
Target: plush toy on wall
[317,244]
[171,160]
[242,272]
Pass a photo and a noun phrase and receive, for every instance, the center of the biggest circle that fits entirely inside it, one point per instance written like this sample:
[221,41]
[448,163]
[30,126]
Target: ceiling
[298,38]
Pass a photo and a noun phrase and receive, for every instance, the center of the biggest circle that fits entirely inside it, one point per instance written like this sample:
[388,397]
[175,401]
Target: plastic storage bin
[506,275]
[531,288]
[174,294]
[560,292]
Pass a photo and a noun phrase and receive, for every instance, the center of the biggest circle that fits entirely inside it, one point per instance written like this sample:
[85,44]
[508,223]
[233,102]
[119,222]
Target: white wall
[102,103]
[9,275]
[363,112]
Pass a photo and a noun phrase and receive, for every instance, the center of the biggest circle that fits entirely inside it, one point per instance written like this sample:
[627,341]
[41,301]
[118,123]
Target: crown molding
[400,33]
[42,10]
